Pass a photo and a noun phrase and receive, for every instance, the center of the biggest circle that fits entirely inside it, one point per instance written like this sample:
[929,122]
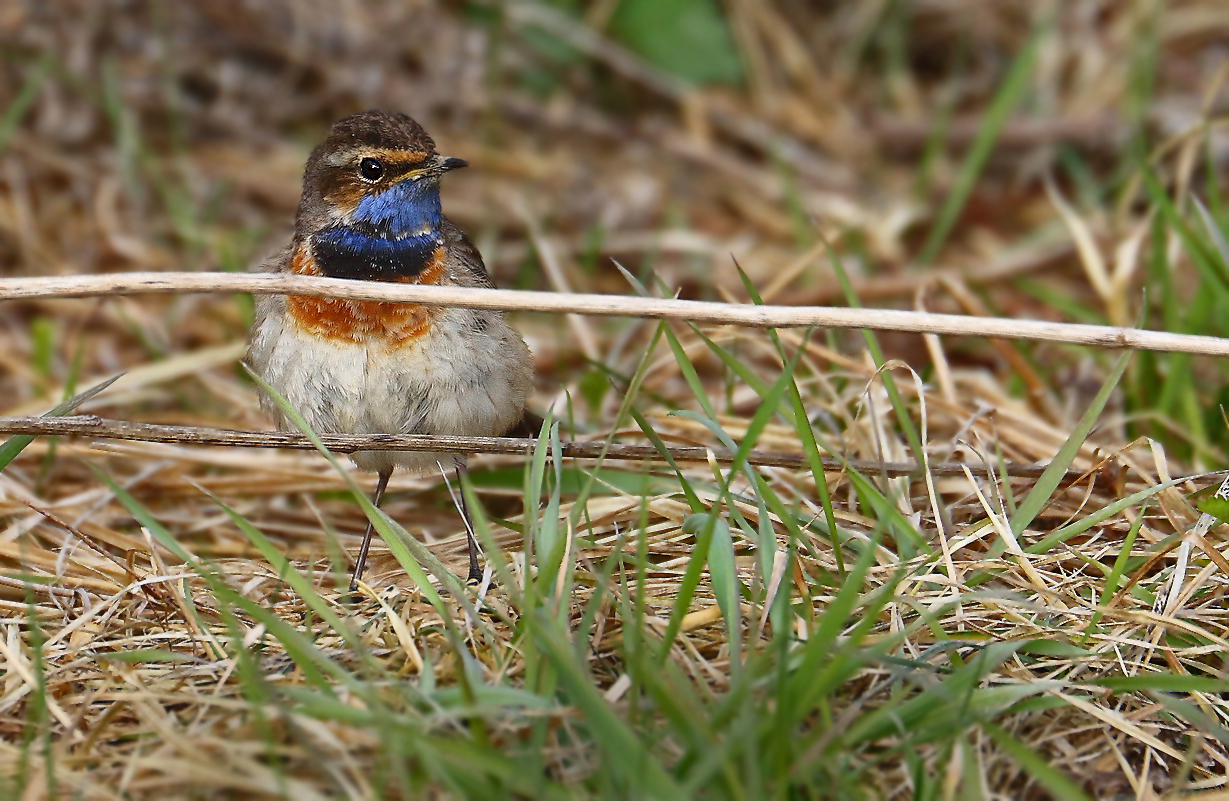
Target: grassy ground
[172,620]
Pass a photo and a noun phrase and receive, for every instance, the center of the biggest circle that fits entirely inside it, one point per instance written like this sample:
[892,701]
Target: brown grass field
[174,621]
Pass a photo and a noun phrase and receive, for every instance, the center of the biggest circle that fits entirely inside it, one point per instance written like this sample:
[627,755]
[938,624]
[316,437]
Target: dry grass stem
[84,286]
[93,426]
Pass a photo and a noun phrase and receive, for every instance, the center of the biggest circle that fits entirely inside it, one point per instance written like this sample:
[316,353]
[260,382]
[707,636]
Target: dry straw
[78,286]
[94,426]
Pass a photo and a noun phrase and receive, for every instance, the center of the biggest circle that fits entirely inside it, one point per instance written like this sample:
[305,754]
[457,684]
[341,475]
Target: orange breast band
[361,321]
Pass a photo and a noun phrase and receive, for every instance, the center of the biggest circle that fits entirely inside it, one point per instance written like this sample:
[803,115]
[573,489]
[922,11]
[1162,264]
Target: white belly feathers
[451,381]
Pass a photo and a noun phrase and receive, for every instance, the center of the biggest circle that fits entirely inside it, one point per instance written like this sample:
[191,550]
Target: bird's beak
[446,163]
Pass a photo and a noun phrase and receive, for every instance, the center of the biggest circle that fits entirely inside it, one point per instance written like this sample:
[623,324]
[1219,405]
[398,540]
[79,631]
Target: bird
[370,210]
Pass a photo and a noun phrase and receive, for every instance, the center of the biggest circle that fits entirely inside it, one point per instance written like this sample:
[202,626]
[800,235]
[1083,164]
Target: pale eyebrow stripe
[395,155]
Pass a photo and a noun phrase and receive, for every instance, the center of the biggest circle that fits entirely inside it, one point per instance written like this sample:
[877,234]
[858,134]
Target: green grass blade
[1101,515]
[286,572]
[299,647]
[1114,580]
[1005,101]
[1057,784]
[1036,500]
[24,100]
[806,432]
[627,752]
[16,444]
[1214,232]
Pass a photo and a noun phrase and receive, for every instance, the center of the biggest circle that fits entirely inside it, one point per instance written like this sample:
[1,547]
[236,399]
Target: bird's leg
[361,562]
[475,570]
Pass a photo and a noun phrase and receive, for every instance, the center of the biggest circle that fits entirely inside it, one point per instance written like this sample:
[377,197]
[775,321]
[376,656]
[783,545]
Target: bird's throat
[360,253]
[394,236]
[391,236]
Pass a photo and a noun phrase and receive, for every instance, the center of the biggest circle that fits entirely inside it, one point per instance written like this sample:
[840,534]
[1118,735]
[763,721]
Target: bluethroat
[370,210]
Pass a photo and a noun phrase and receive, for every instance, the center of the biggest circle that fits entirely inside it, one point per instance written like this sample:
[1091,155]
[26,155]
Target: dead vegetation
[171,136]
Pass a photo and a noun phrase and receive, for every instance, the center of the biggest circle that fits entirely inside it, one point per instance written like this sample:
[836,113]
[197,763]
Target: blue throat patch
[392,235]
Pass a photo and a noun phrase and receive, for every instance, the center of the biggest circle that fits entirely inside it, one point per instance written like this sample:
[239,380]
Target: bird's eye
[371,169]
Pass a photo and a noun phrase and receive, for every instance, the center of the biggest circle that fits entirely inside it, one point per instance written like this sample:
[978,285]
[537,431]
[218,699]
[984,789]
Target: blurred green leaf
[147,656]
[42,339]
[1217,507]
[593,386]
[1052,648]
[723,572]
[689,39]
[1163,682]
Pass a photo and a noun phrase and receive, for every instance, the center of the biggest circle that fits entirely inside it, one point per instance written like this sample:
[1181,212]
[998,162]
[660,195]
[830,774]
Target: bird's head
[371,204]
